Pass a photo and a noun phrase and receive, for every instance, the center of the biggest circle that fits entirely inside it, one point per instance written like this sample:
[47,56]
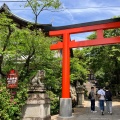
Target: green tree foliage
[26,52]
[10,105]
[54,102]
[78,67]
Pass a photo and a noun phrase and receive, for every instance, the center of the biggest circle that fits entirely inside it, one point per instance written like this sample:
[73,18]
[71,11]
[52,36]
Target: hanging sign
[12,79]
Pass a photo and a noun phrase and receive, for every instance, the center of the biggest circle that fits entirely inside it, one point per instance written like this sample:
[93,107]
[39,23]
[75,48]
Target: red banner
[12,79]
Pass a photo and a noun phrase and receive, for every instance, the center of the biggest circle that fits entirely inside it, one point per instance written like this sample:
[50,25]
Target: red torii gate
[66,44]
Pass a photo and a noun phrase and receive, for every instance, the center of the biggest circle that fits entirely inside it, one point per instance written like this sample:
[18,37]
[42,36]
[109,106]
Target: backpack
[108,96]
[89,96]
[99,95]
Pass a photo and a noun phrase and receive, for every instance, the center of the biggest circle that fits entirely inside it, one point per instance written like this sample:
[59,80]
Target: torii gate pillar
[65,101]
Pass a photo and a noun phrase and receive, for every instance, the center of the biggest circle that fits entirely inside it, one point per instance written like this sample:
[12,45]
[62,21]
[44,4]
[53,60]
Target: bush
[54,103]
[11,101]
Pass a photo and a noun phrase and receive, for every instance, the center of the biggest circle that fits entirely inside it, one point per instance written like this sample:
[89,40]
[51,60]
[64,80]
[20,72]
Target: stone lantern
[80,94]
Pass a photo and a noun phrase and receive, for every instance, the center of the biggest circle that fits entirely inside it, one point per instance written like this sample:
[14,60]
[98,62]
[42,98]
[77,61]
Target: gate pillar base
[65,109]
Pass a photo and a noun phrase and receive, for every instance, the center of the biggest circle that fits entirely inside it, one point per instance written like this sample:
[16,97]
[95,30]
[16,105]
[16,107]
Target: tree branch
[31,7]
[4,48]
[41,10]
[26,65]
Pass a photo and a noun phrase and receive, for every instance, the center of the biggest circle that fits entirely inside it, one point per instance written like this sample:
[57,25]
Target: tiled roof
[5,8]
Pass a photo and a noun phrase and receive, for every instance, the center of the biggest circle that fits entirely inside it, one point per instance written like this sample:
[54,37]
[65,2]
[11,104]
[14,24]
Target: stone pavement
[85,113]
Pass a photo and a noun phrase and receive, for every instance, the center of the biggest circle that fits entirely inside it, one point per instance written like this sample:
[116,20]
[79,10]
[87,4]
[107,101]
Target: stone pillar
[80,95]
[37,106]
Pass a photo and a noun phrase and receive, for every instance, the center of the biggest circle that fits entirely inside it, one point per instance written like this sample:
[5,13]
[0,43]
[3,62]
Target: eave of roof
[5,8]
[52,28]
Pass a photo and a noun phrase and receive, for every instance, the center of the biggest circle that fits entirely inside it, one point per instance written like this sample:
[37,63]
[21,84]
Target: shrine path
[85,113]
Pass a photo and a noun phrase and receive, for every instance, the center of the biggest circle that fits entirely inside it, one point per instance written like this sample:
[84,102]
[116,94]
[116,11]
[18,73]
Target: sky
[71,12]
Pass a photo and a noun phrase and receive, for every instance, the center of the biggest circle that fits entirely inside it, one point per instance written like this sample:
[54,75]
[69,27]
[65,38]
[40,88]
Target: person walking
[108,99]
[101,97]
[92,99]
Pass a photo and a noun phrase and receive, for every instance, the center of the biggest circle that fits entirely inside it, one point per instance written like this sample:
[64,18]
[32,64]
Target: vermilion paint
[67,44]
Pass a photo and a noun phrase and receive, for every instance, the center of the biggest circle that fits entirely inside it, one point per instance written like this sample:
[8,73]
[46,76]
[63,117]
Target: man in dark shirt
[108,99]
[92,100]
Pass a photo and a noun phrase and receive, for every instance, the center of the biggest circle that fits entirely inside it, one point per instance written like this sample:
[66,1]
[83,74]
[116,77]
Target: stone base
[65,107]
[80,106]
[37,107]
[37,118]
[66,118]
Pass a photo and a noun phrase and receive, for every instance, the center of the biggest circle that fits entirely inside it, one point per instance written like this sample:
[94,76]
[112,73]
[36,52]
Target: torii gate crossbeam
[99,41]
[66,44]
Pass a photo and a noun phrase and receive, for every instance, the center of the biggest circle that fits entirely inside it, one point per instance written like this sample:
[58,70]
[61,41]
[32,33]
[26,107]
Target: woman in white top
[101,96]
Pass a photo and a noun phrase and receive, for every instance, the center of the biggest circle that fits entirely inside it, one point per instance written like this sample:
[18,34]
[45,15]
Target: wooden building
[21,23]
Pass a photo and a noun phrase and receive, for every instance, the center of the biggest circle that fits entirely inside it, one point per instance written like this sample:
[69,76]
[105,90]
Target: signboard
[12,79]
